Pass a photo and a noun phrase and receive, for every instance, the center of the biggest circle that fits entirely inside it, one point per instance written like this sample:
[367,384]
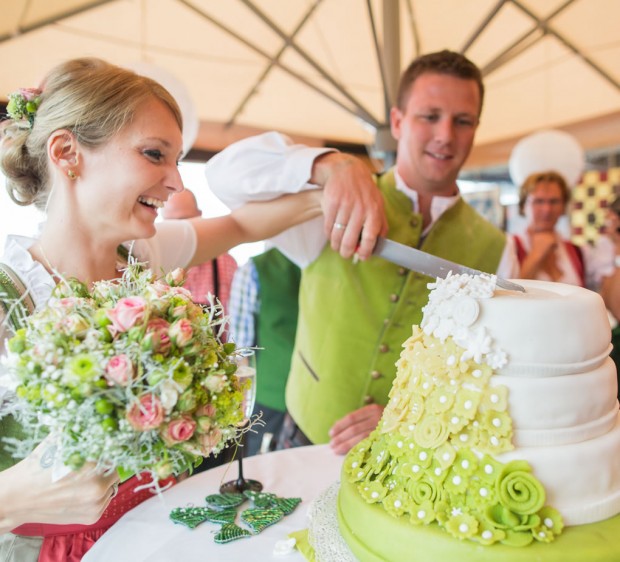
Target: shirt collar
[439,205]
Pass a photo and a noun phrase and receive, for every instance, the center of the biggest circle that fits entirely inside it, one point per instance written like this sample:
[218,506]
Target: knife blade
[428,264]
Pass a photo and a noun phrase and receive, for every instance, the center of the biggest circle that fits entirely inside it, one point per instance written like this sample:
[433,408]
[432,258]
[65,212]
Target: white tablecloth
[147,534]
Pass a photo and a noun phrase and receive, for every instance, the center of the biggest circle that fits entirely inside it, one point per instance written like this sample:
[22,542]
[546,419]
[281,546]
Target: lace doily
[323,533]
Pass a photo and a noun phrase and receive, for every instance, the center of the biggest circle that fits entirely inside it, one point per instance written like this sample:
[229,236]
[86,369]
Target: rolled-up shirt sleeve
[261,168]
[265,167]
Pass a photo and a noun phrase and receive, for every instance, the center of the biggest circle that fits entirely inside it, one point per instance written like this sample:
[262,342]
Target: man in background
[263,314]
[354,317]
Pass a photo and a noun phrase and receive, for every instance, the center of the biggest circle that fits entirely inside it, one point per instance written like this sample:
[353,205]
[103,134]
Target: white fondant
[582,480]
[562,386]
[551,329]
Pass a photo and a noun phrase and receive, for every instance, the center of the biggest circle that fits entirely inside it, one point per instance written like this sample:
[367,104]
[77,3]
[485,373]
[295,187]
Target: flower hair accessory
[23,105]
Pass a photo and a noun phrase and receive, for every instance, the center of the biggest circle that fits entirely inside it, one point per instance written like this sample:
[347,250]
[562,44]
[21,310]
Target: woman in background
[543,254]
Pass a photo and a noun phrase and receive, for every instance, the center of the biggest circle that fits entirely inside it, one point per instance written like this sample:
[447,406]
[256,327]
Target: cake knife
[430,265]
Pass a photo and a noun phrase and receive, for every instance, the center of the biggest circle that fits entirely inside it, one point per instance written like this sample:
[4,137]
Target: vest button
[376,375]
[368,399]
[394,297]
[402,271]
[384,348]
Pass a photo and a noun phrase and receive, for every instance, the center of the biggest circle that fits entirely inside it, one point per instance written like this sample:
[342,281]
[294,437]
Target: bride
[97,147]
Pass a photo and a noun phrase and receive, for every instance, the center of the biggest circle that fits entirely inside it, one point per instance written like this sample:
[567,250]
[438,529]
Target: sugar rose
[147,413]
[126,314]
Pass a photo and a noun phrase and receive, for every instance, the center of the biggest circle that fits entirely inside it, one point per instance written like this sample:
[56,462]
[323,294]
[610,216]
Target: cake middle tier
[551,411]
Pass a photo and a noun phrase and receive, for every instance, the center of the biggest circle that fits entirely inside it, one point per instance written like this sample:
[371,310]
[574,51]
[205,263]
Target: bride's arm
[253,222]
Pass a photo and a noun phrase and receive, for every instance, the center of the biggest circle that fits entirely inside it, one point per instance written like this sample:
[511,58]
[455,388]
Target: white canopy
[309,67]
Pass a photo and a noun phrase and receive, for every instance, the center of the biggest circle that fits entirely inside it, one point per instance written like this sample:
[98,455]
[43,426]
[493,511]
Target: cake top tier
[550,329]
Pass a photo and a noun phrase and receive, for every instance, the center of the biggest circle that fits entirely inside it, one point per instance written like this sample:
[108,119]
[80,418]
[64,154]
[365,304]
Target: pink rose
[126,314]
[206,410]
[178,430]
[147,413]
[30,93]
[157,338]
[176,277]
[181,332]
[68,303]
[119,370]
[203,444]
[179,311]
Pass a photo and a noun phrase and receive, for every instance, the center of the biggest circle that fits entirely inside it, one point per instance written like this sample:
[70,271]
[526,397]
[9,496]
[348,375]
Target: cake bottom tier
[373,535]
[582,480]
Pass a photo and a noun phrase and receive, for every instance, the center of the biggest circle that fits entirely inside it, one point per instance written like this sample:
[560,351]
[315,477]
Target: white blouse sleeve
[173,246]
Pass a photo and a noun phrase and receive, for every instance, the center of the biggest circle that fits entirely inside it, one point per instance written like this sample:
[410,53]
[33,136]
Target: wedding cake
[501,438]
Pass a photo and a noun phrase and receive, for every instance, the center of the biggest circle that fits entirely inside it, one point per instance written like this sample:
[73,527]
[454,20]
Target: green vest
[354,318]
[275,325]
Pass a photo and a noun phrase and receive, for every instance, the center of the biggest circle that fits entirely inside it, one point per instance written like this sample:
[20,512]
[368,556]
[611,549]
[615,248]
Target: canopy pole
[385,145]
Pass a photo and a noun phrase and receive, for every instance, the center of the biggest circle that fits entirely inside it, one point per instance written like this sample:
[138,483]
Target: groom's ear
[62,150]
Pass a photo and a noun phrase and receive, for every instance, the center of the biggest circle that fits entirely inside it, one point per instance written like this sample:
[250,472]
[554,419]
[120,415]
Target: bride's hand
[28,495]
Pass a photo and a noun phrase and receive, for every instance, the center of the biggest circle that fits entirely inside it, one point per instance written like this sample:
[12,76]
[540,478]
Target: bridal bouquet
[131,375]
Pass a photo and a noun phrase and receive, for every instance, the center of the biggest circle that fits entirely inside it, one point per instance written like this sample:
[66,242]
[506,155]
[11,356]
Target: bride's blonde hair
[87,96]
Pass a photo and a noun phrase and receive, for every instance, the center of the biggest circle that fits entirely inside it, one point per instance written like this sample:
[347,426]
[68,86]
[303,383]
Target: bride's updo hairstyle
[87,96]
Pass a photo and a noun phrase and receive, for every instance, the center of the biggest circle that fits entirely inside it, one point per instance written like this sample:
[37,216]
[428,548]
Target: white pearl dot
[454,419]
[421,514]
[477,373]
[438,471]
[487,535]
[494,398]
[494,441]
[456,480]
[443,399]
[468,404]
[488,468]
[484,492]
[397,503]
[399,444]
[446,456]
[464,437]
[423,455]
[451,360]
[374,495]
[548,522]
[415,468]
[360,474]
[411,427]
[496,422]
[465,464]
[463,527]
[354,465]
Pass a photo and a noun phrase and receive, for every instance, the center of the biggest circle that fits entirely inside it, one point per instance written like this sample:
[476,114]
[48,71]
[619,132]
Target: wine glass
[245,375]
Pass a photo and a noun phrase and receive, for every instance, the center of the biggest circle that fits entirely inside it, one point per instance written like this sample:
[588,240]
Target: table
[147,534]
